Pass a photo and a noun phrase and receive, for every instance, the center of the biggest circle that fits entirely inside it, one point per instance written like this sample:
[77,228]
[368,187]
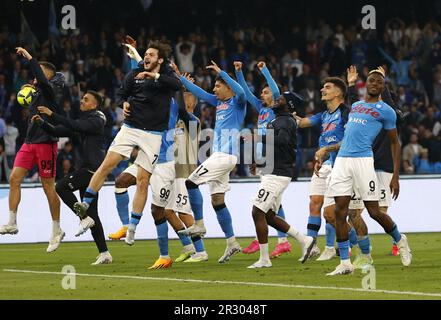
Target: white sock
[346,261]
[188,247]
[282,240]
[164,257]
[296,234]
[330,248]
[12,217]
[55,227]
[231,241]
[264,255]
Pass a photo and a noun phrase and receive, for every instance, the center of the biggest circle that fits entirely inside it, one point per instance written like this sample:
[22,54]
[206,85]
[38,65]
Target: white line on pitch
[259,284]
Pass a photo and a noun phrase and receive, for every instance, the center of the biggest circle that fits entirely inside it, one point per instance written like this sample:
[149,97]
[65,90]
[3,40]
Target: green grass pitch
[128,277]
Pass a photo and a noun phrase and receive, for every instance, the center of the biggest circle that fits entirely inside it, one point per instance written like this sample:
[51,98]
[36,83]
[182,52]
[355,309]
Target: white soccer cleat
[85,225]
[9,229]
[307,246]
[260,264]
[130,236]
[342,269]
[229,251]
[197,257]
[328,254]
[194,231]
[103,258]
[315,251]
[405,252]
[55,241]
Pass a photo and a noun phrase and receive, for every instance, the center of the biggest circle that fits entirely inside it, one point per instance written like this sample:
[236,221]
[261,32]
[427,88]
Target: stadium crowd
[299,59]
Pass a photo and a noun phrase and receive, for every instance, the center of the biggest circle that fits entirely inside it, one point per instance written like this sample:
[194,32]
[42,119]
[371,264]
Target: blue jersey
[230,114]
[166,153]
[332,128]
[266,114]
[364,123]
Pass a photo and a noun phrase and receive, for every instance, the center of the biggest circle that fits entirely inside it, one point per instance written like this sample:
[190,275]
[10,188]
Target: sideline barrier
[417,210]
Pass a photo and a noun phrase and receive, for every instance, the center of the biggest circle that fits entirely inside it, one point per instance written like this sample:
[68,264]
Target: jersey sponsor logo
[358,120]
[220,117]
[364,110]
[222,106]
[138,81]
[331,139]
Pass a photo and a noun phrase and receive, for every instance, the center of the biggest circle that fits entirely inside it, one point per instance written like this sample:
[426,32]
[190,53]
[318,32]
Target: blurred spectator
[11,135]
[184,54]
[411,153]
[5,170]
[65,160]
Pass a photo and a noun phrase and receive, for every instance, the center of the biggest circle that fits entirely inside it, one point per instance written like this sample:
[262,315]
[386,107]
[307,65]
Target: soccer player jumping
[39,148]
[354,169]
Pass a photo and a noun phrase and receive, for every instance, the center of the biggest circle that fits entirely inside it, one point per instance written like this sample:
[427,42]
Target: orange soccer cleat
[120,234]
[162,263]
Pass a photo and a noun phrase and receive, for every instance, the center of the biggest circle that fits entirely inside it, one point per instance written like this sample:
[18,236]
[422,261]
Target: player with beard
[145,96]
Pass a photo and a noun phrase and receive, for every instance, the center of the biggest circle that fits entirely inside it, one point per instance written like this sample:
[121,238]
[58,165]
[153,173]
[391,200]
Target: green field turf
[128,277]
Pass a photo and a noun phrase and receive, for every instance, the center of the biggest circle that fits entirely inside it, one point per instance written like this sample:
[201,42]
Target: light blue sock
[395,234]
[281,214]
[135,218]
[353,237]
[122,205]
[330,235]
[225,221]
[343,246]
[196,203]
[314,224]
[198,244]
[364,244]
[162,231]
[185,240]
[89,196]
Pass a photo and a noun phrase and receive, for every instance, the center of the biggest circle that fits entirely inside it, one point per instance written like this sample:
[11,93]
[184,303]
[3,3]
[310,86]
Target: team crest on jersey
[263,117]
[222,106]
[378,106]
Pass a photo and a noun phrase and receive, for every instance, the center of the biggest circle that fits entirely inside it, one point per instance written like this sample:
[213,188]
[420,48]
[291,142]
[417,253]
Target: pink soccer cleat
[252,248]
[280,249]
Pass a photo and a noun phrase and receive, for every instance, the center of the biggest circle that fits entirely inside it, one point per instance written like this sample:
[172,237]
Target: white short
[179,197]
[132,170]
[215,171]
[149,145]
[161,184]
[319,183]
[354,175]
[269,196]
[384,179]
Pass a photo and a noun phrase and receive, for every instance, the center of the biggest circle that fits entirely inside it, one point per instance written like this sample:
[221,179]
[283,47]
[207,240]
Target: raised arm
[198,92]
[237,88]
[38,72]
[352,78]
[269,79]
[251,98]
